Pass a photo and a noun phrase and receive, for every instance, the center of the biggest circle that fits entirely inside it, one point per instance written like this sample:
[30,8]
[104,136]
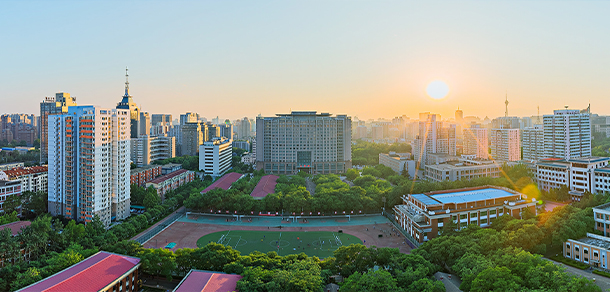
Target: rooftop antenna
[506,103]
[126,82]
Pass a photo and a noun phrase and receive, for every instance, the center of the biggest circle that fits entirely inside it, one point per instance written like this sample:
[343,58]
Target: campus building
[593,249]
[399,162]
[147,149]
[171,181]
[308,141]
[103,271]
[584,174]
[89,164]
[464,169]
[8,188]
[567,134]
[424,215]
[33,179]
[140,176]
[215,157]
[51,106]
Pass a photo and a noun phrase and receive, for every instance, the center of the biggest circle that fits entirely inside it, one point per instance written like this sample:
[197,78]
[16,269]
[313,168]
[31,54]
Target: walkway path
[310,186]
[276,221]
[600,281]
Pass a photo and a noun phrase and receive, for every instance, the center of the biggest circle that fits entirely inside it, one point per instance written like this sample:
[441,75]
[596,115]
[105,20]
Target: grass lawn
[313,243]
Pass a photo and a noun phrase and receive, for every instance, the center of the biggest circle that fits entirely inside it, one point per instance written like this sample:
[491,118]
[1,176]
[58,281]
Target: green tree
[151,198]
[496,279]
[351,174]
[373,281]
[11,203]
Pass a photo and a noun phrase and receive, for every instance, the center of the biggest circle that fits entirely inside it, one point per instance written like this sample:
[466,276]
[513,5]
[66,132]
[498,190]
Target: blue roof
[462,197]
[602,170]
[425,199]
[589,159]
[553,165]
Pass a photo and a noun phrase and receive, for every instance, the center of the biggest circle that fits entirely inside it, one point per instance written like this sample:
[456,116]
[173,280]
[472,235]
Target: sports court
[313,243]
[188,233]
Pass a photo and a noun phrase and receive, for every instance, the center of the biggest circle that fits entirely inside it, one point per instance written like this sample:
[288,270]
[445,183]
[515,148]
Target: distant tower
[128,104]
[506,103]
[459,116]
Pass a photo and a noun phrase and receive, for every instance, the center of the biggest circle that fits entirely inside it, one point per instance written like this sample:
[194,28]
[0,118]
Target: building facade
[171,181]
[533,143]
[580,175]
[215,157]
[434,138]
[399,162]
[128,104]
[147,149]
[33,179]
[312,142]
[140,176]
[89,164]
[8,188]
[505,144]
[476,142]
[423,216]
[464,169]
[193,135]
[51,106]
[567,134]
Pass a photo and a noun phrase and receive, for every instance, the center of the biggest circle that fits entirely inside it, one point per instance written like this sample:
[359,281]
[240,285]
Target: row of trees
[331,194]
[56,243]
[270,272]
[30,158]
[367,153]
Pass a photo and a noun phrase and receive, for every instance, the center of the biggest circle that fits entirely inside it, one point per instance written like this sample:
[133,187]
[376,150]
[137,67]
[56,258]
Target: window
[463,216]
[492,212]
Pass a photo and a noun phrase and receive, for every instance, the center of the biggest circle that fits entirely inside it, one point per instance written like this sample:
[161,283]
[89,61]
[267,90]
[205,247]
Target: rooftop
[304,113]
[265,186]
[15,227]
[167,176]
[463,195]
[19,171]
[91,274]
[143,168]
[591,159]
[224,182]
[596,240]
[204,281]
[605,207]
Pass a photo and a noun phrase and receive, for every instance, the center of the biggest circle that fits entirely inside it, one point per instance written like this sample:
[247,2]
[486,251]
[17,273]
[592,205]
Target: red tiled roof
[167,176]
[201,281]
[19,171]
[224,182]
[265,186]
[92,274]
[15,226]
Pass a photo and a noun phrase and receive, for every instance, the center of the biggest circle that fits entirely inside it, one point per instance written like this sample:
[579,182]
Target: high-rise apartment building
[144,124]
[476,142]
[193,135]
[434,138]
[533,143]
[505,144]
[147,149]
[244,128]
[51,106]
[127,103]
[226,130]
[215,156]
[189,118]
[567,134]
[89,164]
[164,119]
[304,141]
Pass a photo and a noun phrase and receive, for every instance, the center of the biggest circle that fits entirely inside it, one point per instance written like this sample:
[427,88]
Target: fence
[410,240]
[157,229]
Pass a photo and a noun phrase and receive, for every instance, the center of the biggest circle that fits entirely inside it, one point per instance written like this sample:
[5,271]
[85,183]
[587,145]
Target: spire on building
[126,82]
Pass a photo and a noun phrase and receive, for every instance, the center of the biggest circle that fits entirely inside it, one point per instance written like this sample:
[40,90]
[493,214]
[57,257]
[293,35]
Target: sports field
[313,243]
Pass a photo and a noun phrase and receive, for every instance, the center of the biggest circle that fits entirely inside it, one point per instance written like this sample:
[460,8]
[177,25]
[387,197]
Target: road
[600,281]
[451,285]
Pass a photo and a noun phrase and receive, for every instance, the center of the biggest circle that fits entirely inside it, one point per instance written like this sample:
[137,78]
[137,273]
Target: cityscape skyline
[222,60]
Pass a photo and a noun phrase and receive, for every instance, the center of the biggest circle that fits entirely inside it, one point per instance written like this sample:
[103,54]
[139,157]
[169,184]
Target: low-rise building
[171,181]
[249,158]
[15,228]
[33,179]
[224,182]
[399,162]
[215,157]
[423,215]
[465,169]
[103,271]
[584,174]
[8,188]
[205,281]
[140,176]
[593,249]
[169,168]
[12,165]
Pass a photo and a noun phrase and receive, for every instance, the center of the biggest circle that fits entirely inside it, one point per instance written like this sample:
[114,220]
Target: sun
[437,89]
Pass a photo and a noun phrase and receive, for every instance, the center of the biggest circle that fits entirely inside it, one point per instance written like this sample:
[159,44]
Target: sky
[370,59]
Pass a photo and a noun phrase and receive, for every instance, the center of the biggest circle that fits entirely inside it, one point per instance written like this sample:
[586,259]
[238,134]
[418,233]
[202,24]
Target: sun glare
[437,89]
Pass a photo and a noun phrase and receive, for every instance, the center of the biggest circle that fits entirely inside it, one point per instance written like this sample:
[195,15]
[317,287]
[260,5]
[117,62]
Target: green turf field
[313,243]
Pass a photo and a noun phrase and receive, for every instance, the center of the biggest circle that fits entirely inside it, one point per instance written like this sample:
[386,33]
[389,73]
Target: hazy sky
[364,58]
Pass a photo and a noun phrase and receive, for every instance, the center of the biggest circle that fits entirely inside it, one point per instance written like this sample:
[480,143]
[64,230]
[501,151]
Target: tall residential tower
[51,106]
